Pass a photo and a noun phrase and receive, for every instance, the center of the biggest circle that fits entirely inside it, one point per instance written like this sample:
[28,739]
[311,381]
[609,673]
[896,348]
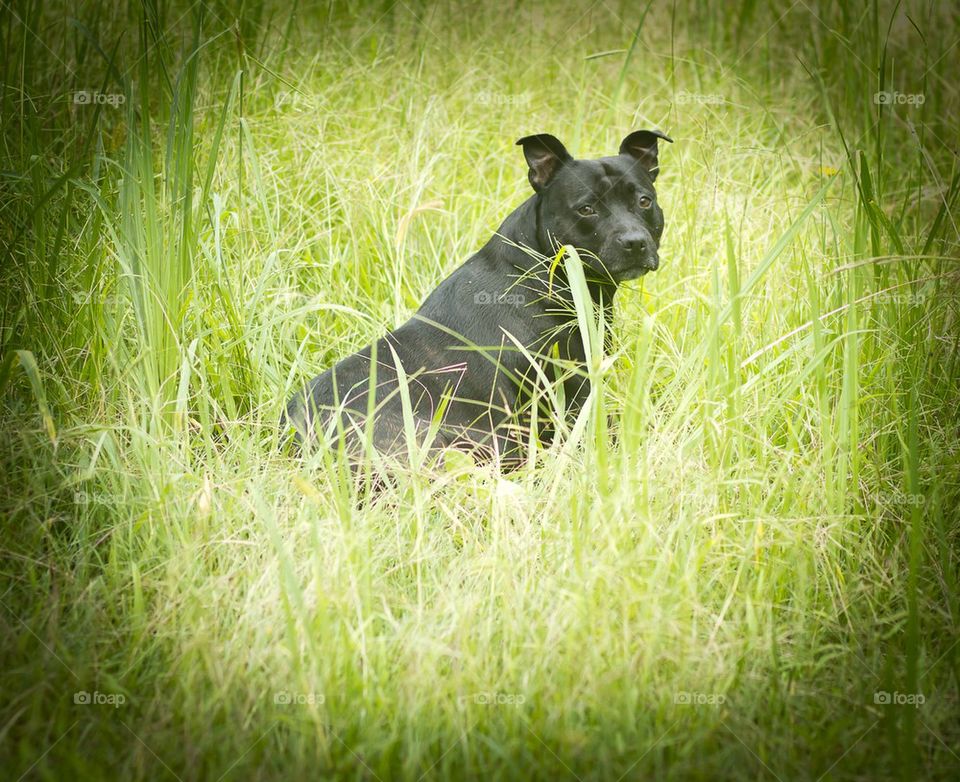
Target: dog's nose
[641,248]
[635,244]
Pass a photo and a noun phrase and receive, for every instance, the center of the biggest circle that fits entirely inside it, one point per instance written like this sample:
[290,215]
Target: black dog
[468,384]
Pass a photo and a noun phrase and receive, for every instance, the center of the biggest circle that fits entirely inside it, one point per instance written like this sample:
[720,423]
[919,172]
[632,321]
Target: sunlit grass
[743,549]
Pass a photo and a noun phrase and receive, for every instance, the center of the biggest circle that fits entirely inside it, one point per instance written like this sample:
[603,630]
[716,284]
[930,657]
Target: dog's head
[606,207]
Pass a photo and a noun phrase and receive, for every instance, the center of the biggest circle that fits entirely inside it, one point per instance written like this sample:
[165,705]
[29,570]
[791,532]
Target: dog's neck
[514,235]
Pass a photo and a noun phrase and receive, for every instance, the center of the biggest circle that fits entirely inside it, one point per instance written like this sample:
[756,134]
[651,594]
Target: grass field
[743,566]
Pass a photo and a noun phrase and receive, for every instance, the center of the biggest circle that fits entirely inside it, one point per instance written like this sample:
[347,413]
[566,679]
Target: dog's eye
[586,210]
[645,202]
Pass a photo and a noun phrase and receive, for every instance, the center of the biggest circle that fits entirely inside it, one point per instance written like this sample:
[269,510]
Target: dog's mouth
[636,270]
[633,274]
[623,268]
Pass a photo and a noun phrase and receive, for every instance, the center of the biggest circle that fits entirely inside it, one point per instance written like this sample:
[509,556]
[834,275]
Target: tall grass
[739,562]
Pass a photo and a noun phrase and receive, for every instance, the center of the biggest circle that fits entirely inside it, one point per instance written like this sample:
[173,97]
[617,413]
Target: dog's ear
[545,154]
[642,145]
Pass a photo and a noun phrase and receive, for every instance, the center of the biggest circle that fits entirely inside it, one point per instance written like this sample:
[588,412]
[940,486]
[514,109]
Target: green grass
[750,538]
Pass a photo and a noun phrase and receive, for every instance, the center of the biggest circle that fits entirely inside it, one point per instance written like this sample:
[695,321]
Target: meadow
[741,564]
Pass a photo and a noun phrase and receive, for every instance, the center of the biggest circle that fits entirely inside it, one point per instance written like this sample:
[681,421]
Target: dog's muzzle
[639,252]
